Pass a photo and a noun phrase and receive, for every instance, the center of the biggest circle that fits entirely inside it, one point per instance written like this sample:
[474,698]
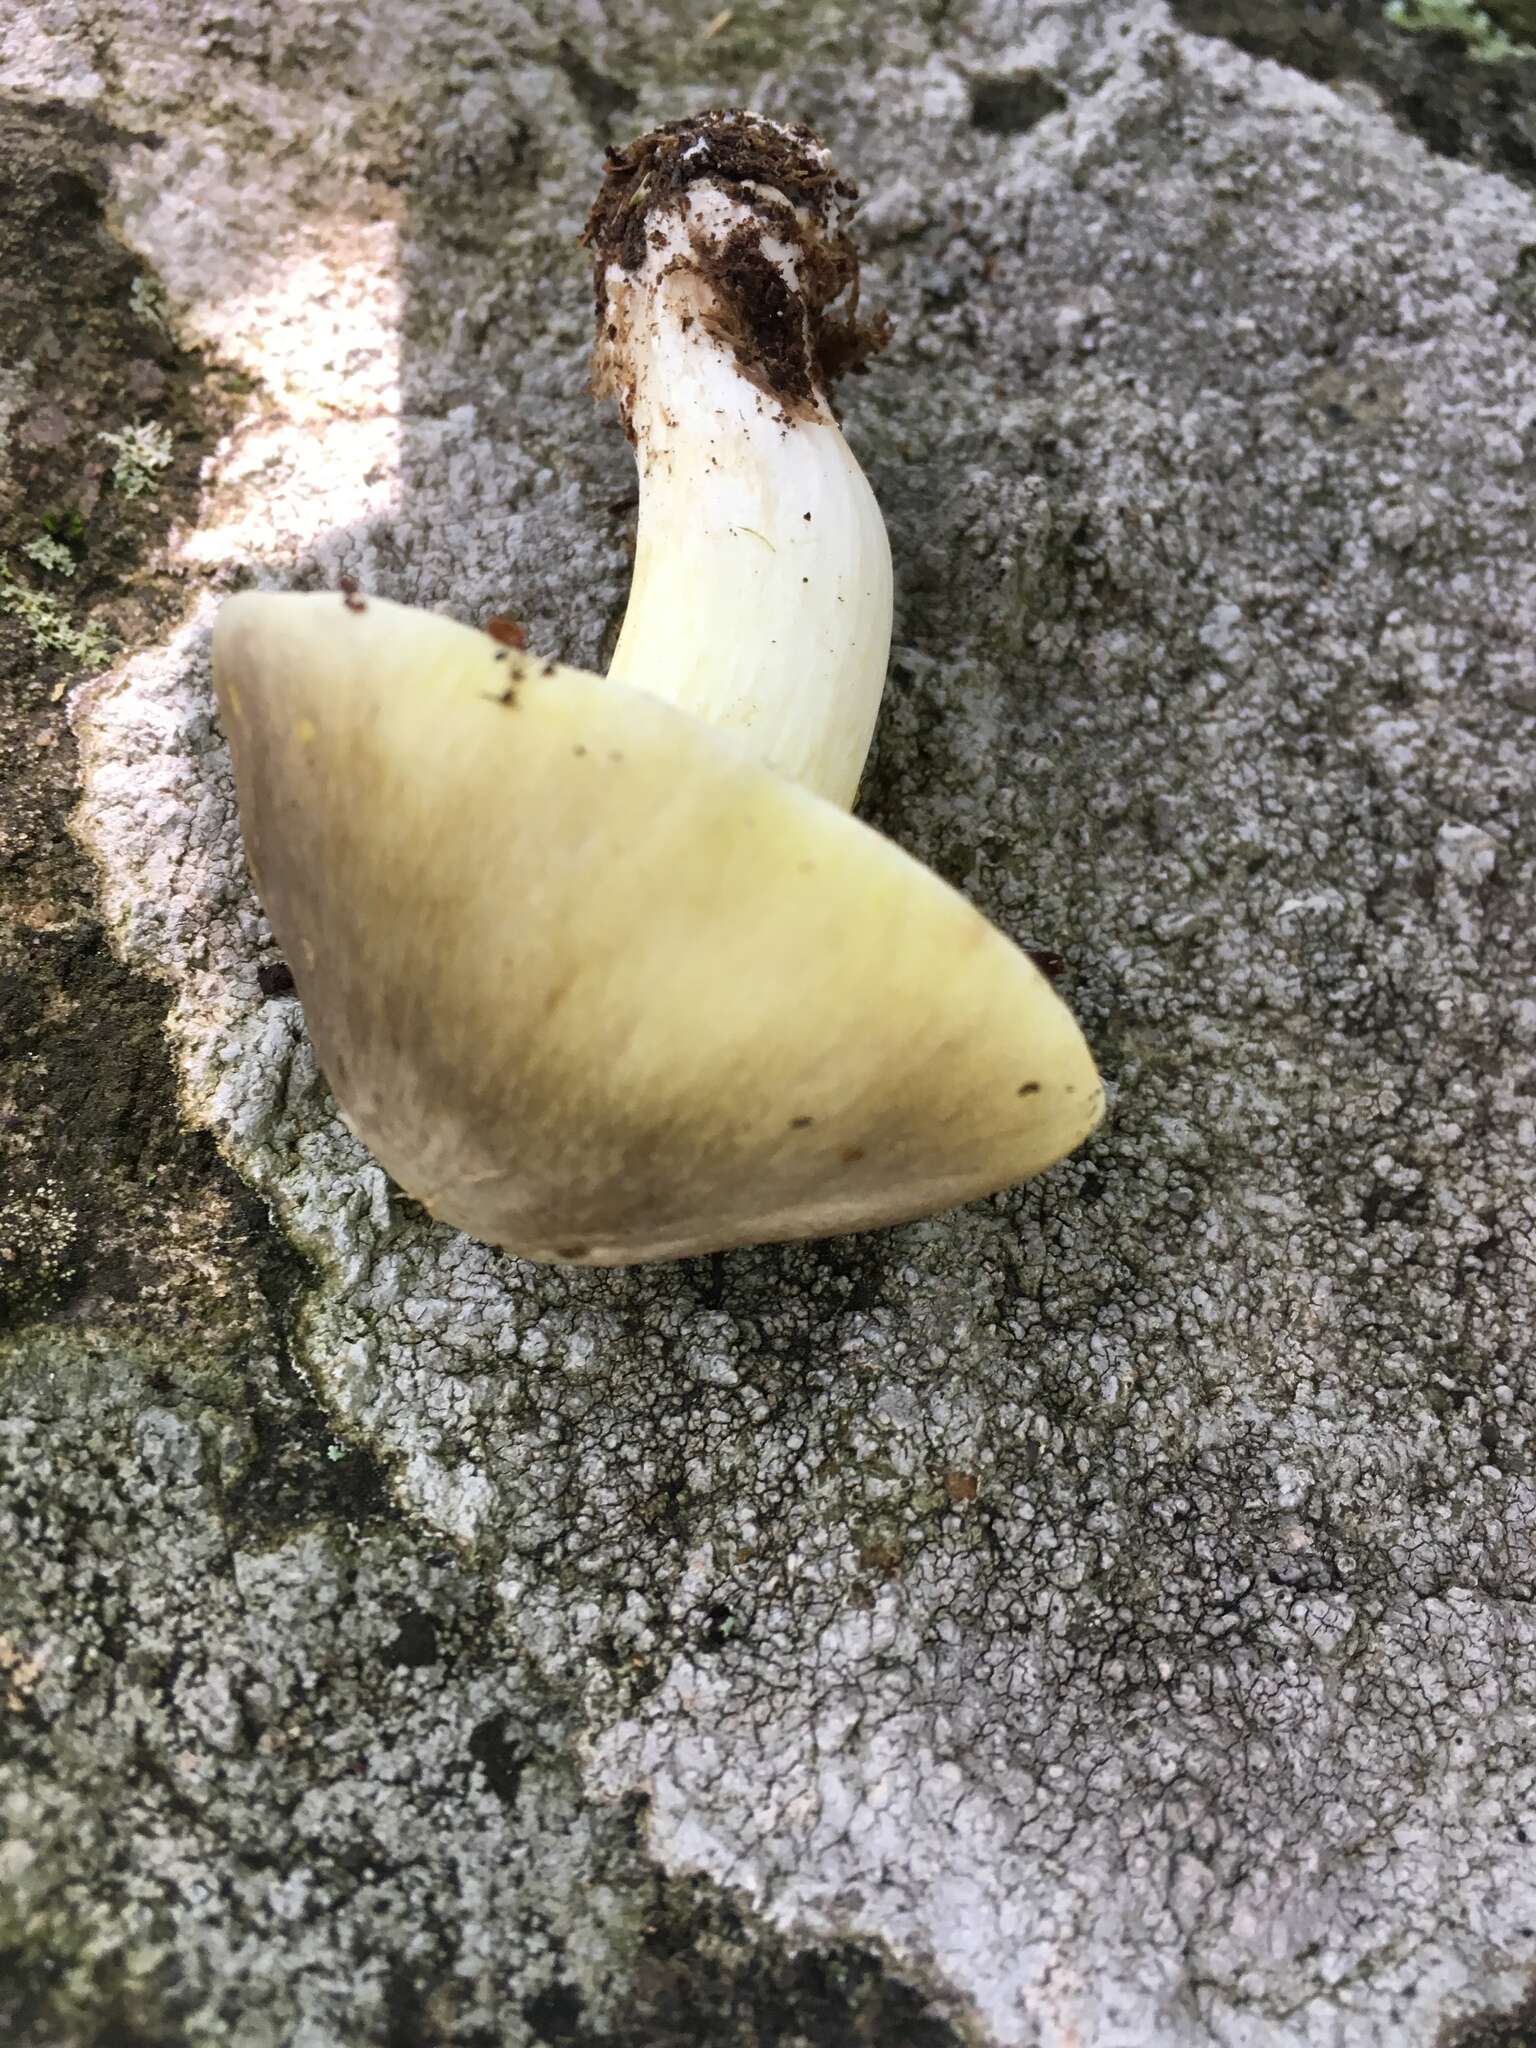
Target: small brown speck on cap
[275,978]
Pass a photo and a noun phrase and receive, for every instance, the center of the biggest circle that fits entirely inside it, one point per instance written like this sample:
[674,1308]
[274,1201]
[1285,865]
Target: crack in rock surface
[1117,1596]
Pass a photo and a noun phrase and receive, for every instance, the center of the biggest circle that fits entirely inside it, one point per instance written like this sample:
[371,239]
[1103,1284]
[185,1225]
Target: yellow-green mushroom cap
[591,981]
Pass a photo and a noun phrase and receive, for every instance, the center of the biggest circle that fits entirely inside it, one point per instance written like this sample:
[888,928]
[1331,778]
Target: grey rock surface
[1111,1602]
[276,1781]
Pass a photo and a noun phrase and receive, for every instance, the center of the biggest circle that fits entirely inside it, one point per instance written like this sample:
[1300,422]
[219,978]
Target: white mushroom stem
[761,597]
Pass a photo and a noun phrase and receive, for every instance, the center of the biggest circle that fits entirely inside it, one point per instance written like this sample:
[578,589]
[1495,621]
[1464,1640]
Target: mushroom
[602,977]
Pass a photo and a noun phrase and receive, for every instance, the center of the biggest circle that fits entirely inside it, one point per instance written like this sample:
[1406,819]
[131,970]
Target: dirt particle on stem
[791,343]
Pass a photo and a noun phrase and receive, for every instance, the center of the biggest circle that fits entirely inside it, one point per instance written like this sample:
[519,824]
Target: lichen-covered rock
[1115,1598]
[269,1778]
